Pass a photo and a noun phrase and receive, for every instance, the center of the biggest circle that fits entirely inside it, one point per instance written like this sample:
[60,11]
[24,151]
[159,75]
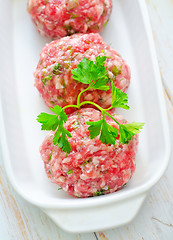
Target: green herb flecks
[106,171]
[99,193]
[70,171]
[87,162]
[43,80]
[116,71]
[72,15]
[48,77]
[76,196]
[50,156]
[68,28]
[104,25]
[56,69]
[54,72]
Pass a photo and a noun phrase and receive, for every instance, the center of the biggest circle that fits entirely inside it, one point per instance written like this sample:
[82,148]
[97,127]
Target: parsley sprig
[95,75]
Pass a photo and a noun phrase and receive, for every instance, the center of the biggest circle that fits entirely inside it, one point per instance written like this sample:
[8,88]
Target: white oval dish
[130,34]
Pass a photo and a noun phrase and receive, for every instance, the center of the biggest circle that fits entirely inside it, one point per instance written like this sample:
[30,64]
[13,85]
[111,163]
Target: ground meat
[57,87]
[92,168]
[59,18]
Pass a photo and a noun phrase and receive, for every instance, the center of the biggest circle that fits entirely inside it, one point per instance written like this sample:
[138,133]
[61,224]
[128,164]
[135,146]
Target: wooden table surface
[20,220]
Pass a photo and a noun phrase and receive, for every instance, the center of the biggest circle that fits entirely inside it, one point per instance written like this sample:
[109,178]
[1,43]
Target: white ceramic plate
[129,33]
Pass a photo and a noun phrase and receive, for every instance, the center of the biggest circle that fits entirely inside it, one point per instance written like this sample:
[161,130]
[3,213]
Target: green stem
[92,103]
[78,99]
[112,117]
[107,109]
[104,111]
[74,106]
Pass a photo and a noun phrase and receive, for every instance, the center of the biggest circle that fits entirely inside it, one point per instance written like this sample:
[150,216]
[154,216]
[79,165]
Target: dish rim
[110,198]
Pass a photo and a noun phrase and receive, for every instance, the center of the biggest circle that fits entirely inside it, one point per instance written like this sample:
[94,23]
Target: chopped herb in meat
[70,171]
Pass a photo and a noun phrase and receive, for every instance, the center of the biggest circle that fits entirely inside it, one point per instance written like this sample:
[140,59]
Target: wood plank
[161,16]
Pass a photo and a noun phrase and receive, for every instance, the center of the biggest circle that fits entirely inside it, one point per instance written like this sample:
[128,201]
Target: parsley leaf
[59,111]
[94,74]
[119,99]
[95,128]
[127,131]
[83,72]
[60,138]
[53,122]
[49,121]
[100,84]
[107,133]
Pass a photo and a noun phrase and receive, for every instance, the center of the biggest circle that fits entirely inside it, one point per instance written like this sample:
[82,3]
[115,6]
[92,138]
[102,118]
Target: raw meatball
[92,168]
[59,18]
[53,77]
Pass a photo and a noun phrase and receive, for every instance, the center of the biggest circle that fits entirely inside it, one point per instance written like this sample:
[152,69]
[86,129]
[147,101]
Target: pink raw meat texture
[92,168]
[59,18]
[60,88]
